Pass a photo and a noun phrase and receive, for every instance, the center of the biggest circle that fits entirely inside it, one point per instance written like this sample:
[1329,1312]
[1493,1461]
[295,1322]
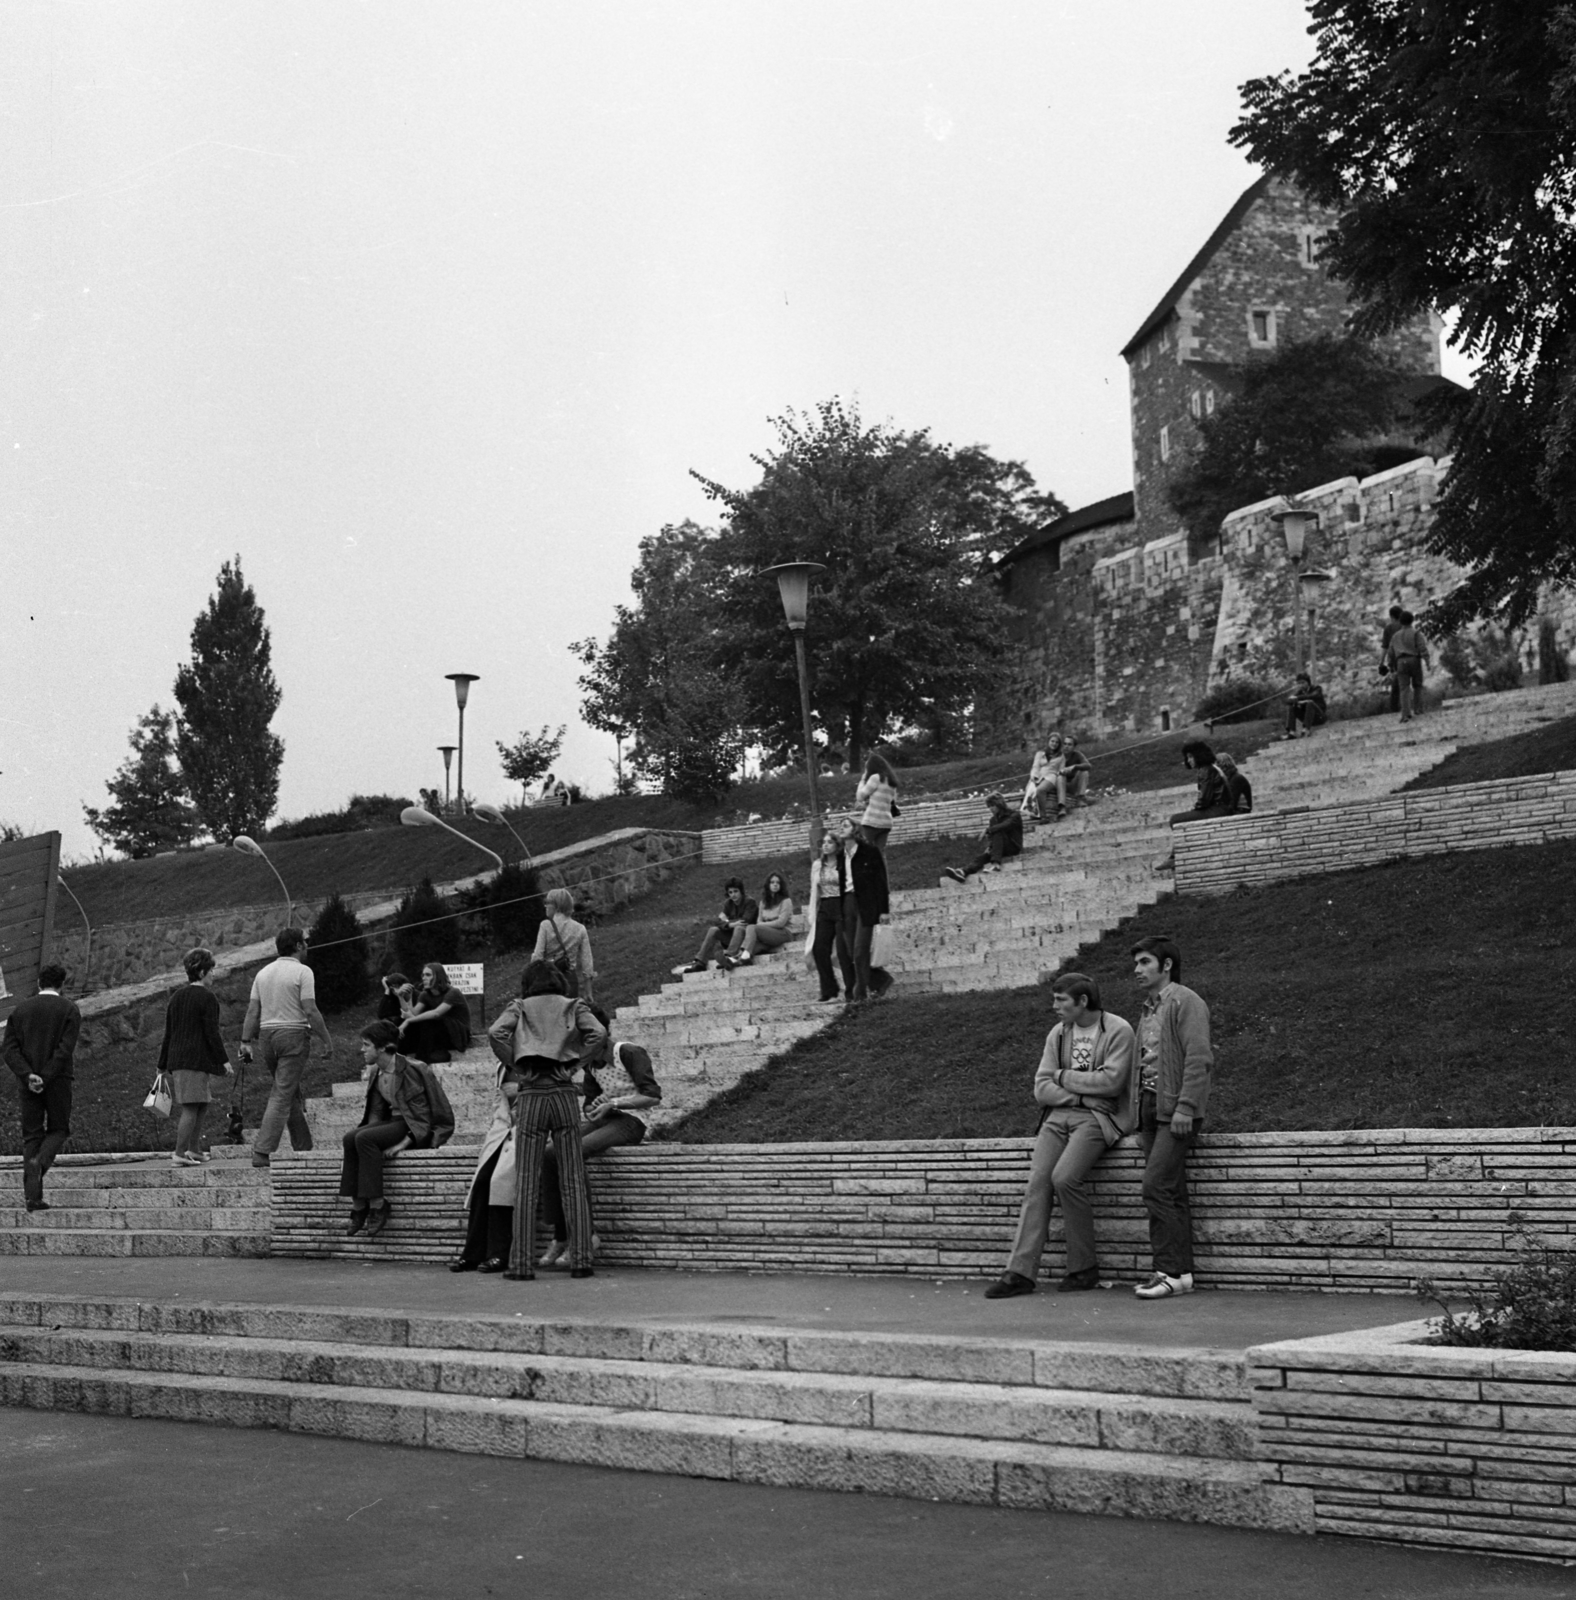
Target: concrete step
[36,1241]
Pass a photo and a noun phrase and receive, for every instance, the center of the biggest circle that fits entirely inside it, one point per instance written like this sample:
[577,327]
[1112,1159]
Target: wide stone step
[250,1218]
[34,1241]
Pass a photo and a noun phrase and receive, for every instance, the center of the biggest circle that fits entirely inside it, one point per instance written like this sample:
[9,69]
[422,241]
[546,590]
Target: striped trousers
[555,1111]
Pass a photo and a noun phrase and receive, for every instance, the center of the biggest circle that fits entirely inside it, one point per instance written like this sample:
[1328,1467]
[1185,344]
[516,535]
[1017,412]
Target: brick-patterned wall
[1397,1439]
[940,819]
[1369,1210]
[1212,857]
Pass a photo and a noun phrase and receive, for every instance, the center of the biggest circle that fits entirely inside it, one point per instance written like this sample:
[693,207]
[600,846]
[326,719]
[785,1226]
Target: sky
[428,311]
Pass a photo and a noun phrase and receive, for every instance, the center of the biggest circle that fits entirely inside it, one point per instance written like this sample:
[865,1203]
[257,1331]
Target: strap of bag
[568,962]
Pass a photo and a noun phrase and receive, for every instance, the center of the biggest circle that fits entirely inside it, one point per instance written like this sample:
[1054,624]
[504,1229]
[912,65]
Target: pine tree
[228,697]
[150,810]
[336,952]
[424,929]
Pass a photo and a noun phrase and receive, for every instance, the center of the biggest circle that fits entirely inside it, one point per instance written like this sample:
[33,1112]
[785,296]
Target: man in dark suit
[40,1039]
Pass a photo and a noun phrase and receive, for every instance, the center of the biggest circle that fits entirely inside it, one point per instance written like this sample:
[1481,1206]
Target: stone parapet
[938,819]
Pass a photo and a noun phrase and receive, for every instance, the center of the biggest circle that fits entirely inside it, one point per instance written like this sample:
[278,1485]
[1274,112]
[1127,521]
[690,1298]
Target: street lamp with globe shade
[462,682]
[793,583]
[1296,523]
[248,846]
[491,813]
[1313,583]
[421,817]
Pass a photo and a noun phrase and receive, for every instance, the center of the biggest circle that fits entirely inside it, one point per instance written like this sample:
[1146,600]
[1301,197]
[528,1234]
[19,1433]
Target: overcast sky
[428,309]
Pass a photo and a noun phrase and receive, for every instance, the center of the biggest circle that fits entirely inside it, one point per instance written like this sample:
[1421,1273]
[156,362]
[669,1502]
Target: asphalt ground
[102,1508]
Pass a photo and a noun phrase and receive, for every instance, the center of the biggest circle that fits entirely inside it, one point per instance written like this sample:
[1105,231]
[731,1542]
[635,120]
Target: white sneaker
[1157,1286]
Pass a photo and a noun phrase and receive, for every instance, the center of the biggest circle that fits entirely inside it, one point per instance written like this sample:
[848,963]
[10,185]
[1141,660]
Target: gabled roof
[1115,508]
[1197,264]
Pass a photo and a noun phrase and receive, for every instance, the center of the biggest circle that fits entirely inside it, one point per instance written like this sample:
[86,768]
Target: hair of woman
[1195,753]
[878,765]
[542,977]
[768,899]
[1224,762]
[198,963]
[440,976]
[561,901]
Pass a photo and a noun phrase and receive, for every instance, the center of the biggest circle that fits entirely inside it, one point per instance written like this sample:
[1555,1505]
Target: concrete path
[1224,1319]
[112,1507]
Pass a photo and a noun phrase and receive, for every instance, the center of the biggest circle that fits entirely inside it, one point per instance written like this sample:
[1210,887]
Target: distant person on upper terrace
[726,934]
[1215,798]
[1408,655]
[1060,768]
[1002,839]
[877,793]
[1305,708]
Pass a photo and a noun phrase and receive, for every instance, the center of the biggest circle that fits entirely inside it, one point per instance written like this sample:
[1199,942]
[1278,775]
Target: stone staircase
[1033,1425]
[469,1080]
[140,1206]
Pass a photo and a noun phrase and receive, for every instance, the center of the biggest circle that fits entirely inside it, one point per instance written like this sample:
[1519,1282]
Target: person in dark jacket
[1407,654]
[867,877]
[1214,793]
[1241,789]
[440,1026]
[1305,708]
[40,1042]
[726,934]
[404,1108]
[1002,838]
[193,1054]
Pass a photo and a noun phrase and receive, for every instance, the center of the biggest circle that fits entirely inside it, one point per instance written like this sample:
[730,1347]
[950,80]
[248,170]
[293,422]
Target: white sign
[466,976]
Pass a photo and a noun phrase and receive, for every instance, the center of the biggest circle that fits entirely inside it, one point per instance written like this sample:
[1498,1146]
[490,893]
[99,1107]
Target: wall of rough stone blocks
[1214,857]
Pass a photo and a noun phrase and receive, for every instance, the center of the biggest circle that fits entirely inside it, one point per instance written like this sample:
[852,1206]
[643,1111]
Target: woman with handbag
[440,1025]
[829,893]
[540,1039]
[565,944]
[191,1054]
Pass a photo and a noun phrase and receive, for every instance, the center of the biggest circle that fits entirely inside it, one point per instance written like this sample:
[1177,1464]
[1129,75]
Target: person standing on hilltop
[40,1046]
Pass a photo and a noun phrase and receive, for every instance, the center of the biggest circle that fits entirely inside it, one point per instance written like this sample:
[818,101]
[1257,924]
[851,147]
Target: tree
[424,929]
[150,810]
[1314,411]
[336,951]
[901,631]
[1446,133]
[658,677]
[228,696]
[531,755]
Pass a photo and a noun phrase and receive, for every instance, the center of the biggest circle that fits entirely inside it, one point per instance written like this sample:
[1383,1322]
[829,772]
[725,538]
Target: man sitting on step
[1086,1088]
[1002,838]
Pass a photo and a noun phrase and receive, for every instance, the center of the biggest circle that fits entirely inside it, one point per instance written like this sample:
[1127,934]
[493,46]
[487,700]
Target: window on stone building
[1261,327]
[1195,405]
[1165,719]
[1165,443]
[1312,243]
[1143,356]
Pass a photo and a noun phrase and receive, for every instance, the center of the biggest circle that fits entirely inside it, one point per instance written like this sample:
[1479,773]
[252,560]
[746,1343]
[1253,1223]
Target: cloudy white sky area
[428,309]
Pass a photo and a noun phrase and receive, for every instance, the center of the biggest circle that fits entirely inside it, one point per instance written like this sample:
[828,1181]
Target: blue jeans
[1165,1190]
[285,1054]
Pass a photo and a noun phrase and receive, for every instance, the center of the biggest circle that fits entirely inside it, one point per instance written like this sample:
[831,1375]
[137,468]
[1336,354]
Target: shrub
[425,929]
[336,952]
[509,908]
[359,813]
[1236,700]
[1532,1306]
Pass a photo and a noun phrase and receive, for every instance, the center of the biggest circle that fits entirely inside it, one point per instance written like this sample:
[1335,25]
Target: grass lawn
[1551,748]
[1437,993]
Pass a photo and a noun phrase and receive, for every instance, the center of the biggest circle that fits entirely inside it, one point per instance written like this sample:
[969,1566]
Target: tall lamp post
[1312,584]
[793,583]
[491,813]
[1296,523]
[421,817]
[250,847]
[462,682]
[447,752]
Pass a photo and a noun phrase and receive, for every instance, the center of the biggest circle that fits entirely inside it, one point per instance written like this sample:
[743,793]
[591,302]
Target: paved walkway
[112,1507]
[1223,1320]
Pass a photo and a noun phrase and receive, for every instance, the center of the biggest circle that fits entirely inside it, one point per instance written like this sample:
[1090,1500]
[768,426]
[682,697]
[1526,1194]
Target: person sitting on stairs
[773,925]
[1002,838]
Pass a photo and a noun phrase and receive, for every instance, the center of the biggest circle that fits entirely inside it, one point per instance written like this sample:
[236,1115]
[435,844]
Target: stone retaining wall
[939,819]
[1212,857]
[1422,1444]
[1354,1211]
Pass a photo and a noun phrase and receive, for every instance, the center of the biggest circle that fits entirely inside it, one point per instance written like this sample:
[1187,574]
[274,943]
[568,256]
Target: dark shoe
[957,874]
[1008,1285]
[582,1272]
[32,1185]
[883,985]
[460,1264]
[1089,1278]
[259,1160]
[696,966]
[495,1264]
[38,1205]
[358,1220]
[519,1277]
[834,995]
[377,1219]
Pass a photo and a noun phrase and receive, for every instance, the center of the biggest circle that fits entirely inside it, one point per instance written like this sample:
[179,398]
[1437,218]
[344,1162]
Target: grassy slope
[1551,748]
[1437,993]
[200,880]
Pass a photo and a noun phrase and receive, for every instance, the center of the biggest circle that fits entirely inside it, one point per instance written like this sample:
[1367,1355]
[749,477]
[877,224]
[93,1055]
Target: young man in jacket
[40,1043]
[1002,838]
[1174,1062]
[1085,1086]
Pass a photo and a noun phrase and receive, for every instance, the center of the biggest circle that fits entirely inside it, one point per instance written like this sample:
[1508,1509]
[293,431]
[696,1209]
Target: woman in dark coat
[868,880]
[192,1054]
[440,1026]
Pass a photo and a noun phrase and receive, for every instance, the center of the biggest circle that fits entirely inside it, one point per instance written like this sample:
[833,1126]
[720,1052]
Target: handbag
[883,944]
[161,1099]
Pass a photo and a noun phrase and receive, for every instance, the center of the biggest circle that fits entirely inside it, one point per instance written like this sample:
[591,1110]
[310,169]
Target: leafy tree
[1447,135]
[531,755]
[900,631]
[1313,411]
[510,905]
[424,929]
[336,952]
[657,676]
[150,810]
[228,696]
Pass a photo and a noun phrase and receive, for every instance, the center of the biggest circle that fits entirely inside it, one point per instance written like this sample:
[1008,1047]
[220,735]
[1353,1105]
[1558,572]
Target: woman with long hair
[877,793]
[440,1025]
[830,892]
[773,925]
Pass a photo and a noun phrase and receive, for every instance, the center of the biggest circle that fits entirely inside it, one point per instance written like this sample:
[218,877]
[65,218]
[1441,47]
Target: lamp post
[250,847]
[793,583]
[87,948]
[420,817]
[447,752]
[1296,523]
[462,682]
[491,813]
[1312,583]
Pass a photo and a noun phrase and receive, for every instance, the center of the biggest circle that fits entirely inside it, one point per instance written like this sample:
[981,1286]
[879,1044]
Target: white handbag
[161,1098]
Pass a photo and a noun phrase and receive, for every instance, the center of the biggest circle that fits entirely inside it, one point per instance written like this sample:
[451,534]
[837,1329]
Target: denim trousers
[1065,1153]
[1165,1190]
[285,1054]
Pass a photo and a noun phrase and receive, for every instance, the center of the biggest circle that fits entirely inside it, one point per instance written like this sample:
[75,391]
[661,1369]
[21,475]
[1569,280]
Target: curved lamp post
[248,846]
[1296,523]
[420,817]
[87,949]
[491,813]
[793,583]
[462,682]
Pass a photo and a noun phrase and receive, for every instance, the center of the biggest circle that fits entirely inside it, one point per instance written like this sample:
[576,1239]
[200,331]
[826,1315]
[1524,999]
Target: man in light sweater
[283,1009]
